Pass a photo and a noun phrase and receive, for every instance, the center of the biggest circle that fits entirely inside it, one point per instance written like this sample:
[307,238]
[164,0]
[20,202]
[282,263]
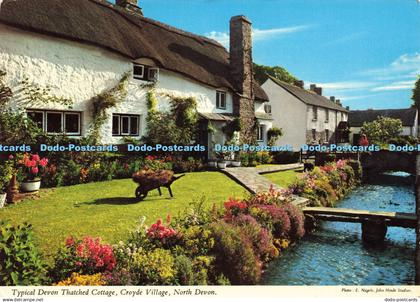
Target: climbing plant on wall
[177,126]
[103,101]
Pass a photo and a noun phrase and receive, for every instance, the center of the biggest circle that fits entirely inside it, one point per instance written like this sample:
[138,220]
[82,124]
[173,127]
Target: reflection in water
[336,255]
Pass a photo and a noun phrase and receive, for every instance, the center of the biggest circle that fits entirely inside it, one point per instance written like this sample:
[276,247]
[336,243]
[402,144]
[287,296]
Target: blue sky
[365,52]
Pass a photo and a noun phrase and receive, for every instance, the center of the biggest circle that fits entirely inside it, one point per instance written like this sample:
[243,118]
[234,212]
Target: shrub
[235,257]
[20,261]
[285,157]
[261,238]
[156,267]
[184,269]
[83,280]
[297,221]
[274,218]
[86,256]
[163,235]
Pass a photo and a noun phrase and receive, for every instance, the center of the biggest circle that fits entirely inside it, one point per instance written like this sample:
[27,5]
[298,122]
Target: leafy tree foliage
[261,73]
[416,94]
[382,130]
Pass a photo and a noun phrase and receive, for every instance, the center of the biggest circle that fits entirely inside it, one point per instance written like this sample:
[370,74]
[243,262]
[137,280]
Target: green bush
[234,254]
[20,261]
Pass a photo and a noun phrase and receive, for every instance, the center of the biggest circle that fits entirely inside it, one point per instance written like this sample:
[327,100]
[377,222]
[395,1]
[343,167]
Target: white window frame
[219,94]
[63,120]
[149,77]
[260,133]
[138,77]
[121,117]
[79,125]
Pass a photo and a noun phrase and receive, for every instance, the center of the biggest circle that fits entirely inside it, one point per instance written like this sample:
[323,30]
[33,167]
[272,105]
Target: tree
[416,94]
[261,73]
[382,130]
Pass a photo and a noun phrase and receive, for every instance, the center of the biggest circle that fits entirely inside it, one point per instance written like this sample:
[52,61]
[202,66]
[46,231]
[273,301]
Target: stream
[335,255]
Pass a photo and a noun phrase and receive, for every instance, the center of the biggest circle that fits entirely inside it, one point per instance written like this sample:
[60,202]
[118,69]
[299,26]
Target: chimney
[332,99]
[318,90]
[338,102]
[242,75]
[300,84]
[130,5]
[348,108]
[313,87]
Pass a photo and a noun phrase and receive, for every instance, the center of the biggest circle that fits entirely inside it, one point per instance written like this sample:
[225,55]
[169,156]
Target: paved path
[254,182]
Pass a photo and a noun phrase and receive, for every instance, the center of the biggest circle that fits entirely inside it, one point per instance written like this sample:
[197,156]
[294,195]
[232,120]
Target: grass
[109,209]
[283,178]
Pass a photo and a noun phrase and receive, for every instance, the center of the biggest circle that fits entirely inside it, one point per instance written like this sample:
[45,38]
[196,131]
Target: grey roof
[308,97]
[99,23]
[358,117]
[216,116]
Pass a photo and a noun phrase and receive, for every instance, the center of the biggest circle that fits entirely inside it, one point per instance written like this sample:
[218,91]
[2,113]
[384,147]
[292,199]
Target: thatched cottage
[81,48]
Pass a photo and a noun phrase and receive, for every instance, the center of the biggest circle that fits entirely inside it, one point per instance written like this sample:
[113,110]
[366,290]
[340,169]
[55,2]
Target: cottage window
[56,122]
[125,125]
[314,113]
[138,71]
[327,115]
[221,100]
[314,134]
[260,133]
[327,135]
[342,116]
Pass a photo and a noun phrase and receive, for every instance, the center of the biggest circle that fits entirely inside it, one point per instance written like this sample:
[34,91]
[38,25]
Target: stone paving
[253,181]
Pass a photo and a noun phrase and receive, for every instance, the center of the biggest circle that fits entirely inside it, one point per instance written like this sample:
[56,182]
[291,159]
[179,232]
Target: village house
[408,117]
[306,117]
[82,48]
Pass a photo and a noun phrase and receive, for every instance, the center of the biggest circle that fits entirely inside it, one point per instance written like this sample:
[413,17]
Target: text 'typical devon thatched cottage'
[81,48]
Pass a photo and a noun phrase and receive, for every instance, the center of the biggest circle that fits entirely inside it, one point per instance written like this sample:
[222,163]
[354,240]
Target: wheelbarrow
[151,180]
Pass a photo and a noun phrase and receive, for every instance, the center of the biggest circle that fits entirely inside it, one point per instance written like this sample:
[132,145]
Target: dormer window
[138,71]
[220,100]
[145,73]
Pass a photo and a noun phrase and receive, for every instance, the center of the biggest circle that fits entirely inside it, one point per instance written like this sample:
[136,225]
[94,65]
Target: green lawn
[283,178]
[109,209]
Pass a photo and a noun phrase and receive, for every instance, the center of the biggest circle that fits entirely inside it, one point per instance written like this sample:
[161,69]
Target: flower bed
[327,184]
[201,246]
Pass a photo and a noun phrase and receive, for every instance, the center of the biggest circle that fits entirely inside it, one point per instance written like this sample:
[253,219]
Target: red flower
[43,162]
[34,170]
[35,157]
[69,241]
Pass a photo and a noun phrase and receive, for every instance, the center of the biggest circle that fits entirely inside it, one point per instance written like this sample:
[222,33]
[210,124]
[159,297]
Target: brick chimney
[318,90]
[300,84]
[131,5]
[242,76]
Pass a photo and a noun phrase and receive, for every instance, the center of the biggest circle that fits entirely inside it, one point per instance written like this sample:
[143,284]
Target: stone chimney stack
[242,75]
[348,108]
[318,90]
[300,84]
[131,5]
[332,99]
[312,87]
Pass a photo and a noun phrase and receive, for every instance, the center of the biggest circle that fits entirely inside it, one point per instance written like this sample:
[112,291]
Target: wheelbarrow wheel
[140,195]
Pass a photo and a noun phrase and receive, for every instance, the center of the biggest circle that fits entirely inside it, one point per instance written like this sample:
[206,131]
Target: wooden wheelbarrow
[151,180]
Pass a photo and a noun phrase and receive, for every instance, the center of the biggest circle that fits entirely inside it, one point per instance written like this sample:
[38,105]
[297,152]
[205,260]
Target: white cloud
[257,34]
[346,85]
[405,66]
[401,85]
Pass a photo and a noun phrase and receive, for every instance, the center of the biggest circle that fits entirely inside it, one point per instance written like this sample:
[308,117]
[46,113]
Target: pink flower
[69,241]
[11,157]
[34,170]
[35,157]
[43,162]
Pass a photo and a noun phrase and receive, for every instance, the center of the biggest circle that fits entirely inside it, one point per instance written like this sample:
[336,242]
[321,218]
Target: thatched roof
[358,117]
[308,97]
[99,23]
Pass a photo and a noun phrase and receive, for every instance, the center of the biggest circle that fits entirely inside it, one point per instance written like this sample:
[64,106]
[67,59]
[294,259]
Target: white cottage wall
[80,72]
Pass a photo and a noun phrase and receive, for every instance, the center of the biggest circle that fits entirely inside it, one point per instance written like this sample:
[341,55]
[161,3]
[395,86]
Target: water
[336,255]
